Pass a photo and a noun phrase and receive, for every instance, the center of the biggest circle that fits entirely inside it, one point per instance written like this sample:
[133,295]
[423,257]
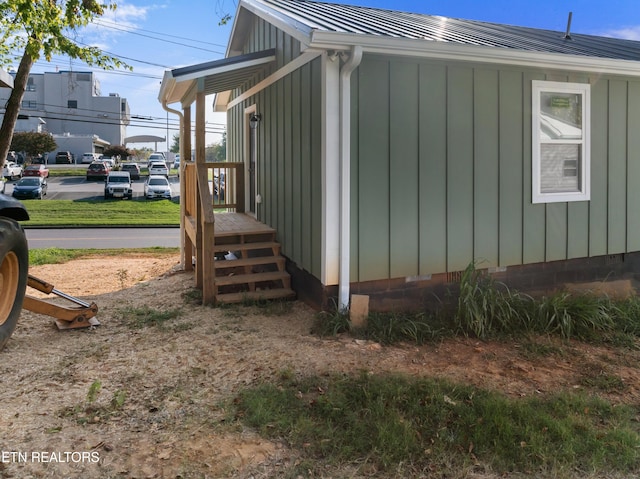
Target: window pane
[560,168]
[561,115]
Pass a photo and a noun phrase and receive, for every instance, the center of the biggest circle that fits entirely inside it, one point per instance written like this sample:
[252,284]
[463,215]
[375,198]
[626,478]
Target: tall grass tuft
[486,307]
[583,316]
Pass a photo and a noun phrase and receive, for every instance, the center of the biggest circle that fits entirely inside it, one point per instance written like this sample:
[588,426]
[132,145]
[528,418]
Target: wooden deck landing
[232,224]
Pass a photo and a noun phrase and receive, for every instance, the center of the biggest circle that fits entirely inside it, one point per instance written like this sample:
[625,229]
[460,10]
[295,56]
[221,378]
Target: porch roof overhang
[181,84]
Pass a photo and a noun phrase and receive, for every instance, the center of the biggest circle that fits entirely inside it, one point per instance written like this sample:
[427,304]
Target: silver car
[157,186]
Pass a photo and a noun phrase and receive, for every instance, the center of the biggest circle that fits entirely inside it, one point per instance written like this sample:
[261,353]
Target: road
[68,238]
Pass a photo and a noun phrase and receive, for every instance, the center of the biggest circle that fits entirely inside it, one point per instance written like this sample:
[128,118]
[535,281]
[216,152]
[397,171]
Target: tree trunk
[13,105]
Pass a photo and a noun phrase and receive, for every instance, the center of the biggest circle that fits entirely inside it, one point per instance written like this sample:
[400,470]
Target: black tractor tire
[14,269]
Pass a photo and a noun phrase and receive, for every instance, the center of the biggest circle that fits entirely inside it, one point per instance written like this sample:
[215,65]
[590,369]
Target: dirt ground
[147,402]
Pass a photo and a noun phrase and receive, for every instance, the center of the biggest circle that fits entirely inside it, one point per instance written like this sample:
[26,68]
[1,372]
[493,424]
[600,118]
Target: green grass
[39,257]
[394,421]
[102,213]
[67,171]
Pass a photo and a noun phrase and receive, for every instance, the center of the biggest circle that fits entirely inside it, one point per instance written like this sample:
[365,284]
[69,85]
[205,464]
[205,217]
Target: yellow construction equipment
[14,279]
[80,316]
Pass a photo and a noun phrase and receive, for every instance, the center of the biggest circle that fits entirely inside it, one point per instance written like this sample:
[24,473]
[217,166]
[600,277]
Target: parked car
[64,157]
[157,186]
[176,161]
[157,156]
[3,184]
[132,168]
[89,157]
[32,187]
[158,168]
[12,170]
[36,170]
[98,170]
[118,185]
[108,159]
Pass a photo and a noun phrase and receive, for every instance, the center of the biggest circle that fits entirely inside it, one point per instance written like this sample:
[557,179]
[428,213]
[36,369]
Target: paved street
[67,238]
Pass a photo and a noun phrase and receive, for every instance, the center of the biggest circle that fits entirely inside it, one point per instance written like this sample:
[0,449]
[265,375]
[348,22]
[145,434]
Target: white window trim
[584,89]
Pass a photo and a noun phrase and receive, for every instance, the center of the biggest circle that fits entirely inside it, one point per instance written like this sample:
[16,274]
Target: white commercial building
[69,105]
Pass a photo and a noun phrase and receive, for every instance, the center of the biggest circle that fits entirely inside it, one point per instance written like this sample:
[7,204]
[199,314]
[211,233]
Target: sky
[153,36]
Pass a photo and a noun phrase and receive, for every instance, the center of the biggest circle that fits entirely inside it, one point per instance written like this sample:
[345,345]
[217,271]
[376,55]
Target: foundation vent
[454,276]
[614,259]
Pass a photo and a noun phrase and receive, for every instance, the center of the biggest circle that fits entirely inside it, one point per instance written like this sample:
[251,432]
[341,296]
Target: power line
[159,39]
[157,125]
[131,30]
[166,67]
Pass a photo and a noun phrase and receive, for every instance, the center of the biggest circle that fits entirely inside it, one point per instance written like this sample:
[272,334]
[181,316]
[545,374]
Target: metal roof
[337,18]
[217,76]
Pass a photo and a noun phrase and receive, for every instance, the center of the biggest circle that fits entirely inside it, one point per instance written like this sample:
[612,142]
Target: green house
[390,150]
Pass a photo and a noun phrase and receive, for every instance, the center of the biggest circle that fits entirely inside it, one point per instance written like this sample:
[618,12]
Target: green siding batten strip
[486,188]
[511,167]
[373,172]
[633,168]
[403,171]
[459,168]
[599,167]
[617,167]
[433,169]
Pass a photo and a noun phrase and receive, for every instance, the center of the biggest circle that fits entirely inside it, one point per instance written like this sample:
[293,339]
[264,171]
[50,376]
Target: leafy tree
[175,146]
[33,143]
[217,152]
[43,28]
[117,150]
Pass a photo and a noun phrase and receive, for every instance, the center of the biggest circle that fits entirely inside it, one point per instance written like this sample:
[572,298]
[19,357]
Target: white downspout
[345,174]
[183,260]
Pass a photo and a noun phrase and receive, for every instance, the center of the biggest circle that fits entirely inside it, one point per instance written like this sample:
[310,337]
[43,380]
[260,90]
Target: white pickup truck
[12,170]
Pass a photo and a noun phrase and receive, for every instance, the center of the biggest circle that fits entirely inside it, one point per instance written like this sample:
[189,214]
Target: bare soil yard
[146,401]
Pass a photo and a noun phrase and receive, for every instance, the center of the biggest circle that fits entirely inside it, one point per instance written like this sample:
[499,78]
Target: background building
[70,106]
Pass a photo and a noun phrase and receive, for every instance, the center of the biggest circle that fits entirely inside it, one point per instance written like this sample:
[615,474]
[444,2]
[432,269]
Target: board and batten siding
[441,170]
[289,147]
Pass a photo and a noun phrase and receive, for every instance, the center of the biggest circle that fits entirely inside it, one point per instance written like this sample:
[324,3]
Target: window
[560,156]
[29,104]
[72,103]
[30,84]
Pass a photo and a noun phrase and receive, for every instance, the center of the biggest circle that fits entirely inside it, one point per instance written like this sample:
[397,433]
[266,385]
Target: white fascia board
[221,100]
[166,87]
[473,53]
[224,69]
[287,23]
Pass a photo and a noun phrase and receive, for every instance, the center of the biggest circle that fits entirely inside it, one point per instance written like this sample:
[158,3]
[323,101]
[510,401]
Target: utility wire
[160,39]
[133,29]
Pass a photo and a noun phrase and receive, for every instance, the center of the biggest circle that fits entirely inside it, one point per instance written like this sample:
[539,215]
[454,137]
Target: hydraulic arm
[79,316]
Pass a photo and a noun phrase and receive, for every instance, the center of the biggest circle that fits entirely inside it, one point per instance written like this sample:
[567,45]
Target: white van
[89,157]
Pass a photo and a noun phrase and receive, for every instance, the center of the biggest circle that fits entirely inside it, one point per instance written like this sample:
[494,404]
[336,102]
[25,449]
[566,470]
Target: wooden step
[245,237]
[264,294]
[246,246]
[258,260]
[252,278]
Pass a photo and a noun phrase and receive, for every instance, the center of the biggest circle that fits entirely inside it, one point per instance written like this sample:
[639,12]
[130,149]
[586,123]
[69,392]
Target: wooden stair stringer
[257,273]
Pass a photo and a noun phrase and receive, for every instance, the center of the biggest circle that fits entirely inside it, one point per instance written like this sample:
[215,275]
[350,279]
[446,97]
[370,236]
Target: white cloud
[627,33]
